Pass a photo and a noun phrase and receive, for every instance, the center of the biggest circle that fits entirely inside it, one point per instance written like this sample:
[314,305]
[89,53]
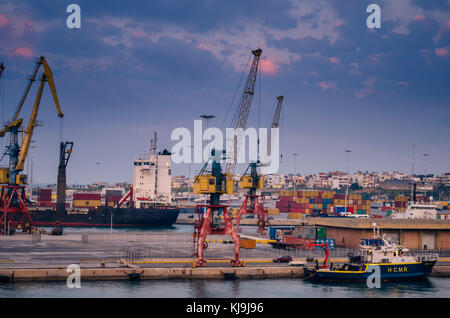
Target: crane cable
[2,92]
[234,95]
[259,113]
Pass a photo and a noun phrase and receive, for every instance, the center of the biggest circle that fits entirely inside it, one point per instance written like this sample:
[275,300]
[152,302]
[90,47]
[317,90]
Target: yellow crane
[13,207]
[216,182]
[18,155]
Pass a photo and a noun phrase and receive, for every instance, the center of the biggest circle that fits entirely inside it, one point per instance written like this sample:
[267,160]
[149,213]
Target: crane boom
[49,76]
[51,83]
[240,121]
[17,158]
[275,122]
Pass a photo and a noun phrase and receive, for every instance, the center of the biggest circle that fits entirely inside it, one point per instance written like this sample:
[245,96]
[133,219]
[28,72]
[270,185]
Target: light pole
[189,181]
[207,117]
[425,155]
[346,190]
[295,168]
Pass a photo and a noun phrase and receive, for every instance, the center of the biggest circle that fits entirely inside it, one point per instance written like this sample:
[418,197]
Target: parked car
[283,259]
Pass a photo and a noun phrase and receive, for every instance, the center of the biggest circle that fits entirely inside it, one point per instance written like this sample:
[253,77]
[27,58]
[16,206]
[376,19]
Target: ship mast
[153,143]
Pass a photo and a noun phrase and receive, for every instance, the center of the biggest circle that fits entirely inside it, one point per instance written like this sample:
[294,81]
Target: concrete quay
[133,272]
[148,255]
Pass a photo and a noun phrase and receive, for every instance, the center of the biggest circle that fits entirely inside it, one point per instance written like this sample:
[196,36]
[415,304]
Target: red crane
[327,254]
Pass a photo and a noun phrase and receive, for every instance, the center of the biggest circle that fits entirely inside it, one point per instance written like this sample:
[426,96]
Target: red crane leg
[205,229]
[242,210]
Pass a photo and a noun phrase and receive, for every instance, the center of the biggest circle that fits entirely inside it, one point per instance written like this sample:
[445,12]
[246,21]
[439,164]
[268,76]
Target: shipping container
[273,211]
[247,243]
[87,196]
[330,243]
[86,203]
[273,230]
[372,242]
[307,232]
[321,233]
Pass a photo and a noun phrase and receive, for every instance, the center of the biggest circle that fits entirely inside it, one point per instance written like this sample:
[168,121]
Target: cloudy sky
[143,66]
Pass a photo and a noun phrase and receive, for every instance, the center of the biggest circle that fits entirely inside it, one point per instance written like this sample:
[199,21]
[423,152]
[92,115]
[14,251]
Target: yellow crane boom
[16,122]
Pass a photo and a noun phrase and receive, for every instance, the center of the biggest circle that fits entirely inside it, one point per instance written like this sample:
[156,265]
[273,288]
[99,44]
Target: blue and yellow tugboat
[393,260]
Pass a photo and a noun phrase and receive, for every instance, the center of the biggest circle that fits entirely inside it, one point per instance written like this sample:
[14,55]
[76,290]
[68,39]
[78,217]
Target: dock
[154,255]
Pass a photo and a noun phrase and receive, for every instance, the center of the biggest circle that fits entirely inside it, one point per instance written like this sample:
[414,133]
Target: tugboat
[392,259]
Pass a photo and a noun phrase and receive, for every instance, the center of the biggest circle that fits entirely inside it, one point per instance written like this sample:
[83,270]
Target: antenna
[413,158]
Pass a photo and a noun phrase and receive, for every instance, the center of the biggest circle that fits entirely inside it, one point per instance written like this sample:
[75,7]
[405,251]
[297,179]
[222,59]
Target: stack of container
[273,211]
[400,203]
[443,205]
[44,198]
[325,202]
[86,200]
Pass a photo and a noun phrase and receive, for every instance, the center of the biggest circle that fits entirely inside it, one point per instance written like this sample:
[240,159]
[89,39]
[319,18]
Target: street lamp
[346,190]
[295,168]
[425,155]
[207,117]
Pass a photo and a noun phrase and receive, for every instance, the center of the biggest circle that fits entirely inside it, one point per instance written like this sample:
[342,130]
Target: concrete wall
[412,239]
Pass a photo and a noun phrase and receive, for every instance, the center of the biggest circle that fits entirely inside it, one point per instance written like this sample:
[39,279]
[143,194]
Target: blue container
[372,242]
[329,242]
[311,201]
[273,230]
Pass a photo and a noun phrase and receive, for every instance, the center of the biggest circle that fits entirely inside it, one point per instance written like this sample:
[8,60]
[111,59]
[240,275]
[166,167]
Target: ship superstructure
[417,209]
[152,176]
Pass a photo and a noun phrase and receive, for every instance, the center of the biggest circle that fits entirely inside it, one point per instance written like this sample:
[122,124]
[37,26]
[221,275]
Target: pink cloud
[448,23]
[203,46]
[334,60]
[364,92]
[402,83]
[326,85]
[268,67]
[419,17]
[138,34]
[24,52]
[4,21]
[443,51]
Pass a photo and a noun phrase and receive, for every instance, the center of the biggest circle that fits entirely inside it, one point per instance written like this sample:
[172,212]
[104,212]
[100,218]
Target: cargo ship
[148,202]
[155,216]
[392,260]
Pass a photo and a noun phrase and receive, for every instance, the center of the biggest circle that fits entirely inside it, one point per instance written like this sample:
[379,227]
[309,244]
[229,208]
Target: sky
[156,65]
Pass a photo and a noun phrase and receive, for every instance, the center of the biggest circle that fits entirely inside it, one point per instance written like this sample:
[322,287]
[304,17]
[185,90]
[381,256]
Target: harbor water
[433,287]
